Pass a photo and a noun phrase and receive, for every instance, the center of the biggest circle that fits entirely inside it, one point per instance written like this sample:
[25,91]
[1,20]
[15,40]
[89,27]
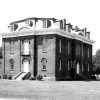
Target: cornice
[45,32]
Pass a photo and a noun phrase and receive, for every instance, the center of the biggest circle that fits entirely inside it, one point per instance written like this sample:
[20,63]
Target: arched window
[11,61]
[44,63]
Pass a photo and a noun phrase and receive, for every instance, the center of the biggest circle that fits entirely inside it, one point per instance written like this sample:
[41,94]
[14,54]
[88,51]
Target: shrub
[10,77]
[68,78]
[39,77]
[93,77]
[32,78]
[45,76]
[4,76]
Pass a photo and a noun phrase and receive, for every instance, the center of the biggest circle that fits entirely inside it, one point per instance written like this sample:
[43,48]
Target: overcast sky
[83,13]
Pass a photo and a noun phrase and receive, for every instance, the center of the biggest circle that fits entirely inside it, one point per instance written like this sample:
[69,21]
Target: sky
[83,13]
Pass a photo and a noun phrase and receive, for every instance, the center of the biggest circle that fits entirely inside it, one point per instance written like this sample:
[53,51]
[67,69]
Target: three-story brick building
[47,47]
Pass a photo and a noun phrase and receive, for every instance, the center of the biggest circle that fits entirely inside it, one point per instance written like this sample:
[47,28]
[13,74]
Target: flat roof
[45,32]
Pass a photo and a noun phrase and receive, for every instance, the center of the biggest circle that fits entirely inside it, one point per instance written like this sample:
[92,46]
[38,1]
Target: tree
[96,63]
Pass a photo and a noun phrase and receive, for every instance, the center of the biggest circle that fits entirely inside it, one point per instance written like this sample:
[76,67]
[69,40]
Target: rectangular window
[82,67]
[68,47]
[48,23]
[12,45]
[88,68]
[44,23]
[44,45]
[68,65]
[88,52]
[82,50]
[60,45]
[60,65]
[77,49]
[26,48]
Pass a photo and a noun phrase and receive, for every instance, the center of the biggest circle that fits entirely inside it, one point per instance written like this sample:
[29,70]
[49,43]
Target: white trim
[47,31]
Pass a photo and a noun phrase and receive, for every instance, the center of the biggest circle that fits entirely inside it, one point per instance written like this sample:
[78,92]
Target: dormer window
[14,27]
[46,23]
[29,23]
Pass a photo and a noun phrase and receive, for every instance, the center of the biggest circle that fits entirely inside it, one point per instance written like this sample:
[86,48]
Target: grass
[50,90]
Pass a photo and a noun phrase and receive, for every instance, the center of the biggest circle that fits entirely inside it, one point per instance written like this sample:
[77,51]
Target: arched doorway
[26,65]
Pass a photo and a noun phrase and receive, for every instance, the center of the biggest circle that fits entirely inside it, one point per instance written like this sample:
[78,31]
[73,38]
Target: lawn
[50,90]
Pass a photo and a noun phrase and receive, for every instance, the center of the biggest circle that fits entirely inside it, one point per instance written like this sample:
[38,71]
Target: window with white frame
[78,68]
[26,46]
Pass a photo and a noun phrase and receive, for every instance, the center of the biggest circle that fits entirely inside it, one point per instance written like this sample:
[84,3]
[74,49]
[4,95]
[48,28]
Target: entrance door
[26,66]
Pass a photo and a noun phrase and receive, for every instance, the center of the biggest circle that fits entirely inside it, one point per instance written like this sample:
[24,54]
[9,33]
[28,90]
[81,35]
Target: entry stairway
[22,76]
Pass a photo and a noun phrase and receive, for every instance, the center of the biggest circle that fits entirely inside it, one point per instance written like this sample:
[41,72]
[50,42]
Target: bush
[4,76]
[80,77]
[0,77]
[32,78]
[68,78]
[39,77]
[93,77]
[10,77]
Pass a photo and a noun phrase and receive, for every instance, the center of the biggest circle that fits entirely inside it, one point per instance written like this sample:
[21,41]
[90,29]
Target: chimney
[68,27]
[85,30]
[64,24]
[88,35]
